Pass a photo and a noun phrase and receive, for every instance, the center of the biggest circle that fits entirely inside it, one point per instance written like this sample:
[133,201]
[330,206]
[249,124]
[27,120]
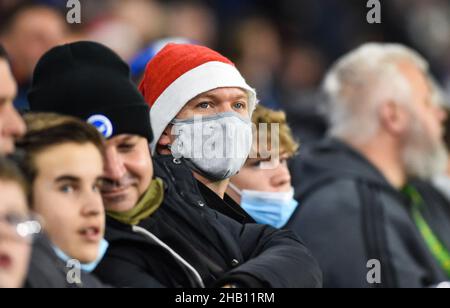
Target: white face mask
[269,208]
[215,146]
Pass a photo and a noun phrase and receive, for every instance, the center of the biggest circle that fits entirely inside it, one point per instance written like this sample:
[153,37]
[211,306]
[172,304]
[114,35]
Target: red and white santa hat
[179,73]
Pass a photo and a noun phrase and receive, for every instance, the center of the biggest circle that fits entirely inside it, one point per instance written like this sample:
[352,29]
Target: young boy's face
[66,193]
[273,177]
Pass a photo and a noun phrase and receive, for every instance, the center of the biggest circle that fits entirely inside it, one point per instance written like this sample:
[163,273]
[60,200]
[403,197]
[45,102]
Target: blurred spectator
[27,32]
[15,246]
[191,20]
[126,26]
[431,199]
[64,166]
[11,124]
[258,56]
[146,16]
[7,5]
[354,187]
[263,185]
[334,26]
[426,25]
[303,70]
[117,35]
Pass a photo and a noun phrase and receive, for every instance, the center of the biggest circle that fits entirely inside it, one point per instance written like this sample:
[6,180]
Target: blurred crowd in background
[283,48]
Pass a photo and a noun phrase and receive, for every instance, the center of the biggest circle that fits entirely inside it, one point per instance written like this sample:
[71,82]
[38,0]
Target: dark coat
[46,270]
[187,244]
[350,214]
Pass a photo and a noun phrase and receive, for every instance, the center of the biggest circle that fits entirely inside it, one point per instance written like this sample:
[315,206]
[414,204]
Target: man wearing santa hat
[201,108]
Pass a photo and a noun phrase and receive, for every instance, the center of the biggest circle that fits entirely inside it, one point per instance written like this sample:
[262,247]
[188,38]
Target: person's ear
[394,118]
[164,141]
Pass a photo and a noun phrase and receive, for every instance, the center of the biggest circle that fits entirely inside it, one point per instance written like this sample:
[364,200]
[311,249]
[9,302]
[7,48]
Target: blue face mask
[269,208]
[87,267]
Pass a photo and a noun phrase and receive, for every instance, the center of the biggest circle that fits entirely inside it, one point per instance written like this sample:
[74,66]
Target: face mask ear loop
[235,189]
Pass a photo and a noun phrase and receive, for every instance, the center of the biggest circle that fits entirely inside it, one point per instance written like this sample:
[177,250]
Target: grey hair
[358,84]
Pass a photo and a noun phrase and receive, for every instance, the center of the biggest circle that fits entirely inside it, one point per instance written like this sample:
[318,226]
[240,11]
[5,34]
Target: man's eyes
[67,189]
[204,105]
[240,105]
[127,146]
[207,105]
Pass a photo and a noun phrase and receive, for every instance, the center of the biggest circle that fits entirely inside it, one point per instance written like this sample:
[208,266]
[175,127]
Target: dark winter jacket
[46,270]
[349,215]
[227,206]
[187,244]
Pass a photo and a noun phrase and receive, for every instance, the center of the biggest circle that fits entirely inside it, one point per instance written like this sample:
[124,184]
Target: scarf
[147,205]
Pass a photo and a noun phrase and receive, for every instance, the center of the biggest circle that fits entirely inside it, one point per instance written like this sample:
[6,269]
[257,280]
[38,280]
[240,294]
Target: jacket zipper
[153,237]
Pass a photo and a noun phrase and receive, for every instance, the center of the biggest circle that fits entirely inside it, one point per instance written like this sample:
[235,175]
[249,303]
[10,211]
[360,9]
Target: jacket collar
[176,171]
